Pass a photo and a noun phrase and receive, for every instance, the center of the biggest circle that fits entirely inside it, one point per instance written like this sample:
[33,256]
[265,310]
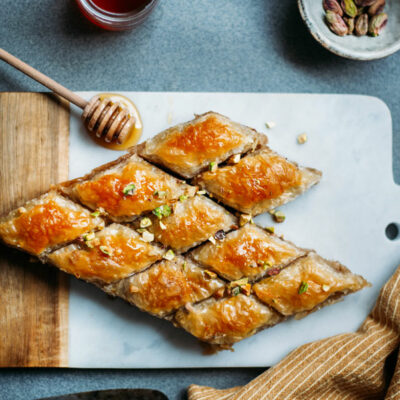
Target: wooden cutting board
[34,130]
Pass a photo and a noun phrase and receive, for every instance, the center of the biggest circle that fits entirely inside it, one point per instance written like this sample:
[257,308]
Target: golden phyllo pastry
[189,148]
[247,252]
[126,188]
[106,256]
[192,221]
[307,284]
[45,223]
[259,182]
[228,320]
[167,286]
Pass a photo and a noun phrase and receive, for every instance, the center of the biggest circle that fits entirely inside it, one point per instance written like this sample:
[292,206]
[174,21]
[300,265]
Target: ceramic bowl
[353,47]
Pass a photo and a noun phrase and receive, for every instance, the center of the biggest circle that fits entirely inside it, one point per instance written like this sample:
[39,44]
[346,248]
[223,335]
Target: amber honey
[136,131]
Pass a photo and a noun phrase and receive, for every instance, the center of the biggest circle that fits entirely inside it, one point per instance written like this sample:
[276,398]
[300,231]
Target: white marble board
[344,218]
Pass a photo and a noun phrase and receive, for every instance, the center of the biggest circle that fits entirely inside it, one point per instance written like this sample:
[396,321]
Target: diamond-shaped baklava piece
[106,256]
[126,188]
[192,221]
[227,320]
[167,286]
[307,284]
[46,223]
[189,148]
[247,252]
[259,182]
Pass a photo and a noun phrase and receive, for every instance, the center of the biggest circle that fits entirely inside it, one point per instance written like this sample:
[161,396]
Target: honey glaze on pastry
[46,222]
[306,284]
[109,255]
[228,320]
[189,148]
[258,182]
[167,286]
[193,221]
[249,251]
[130,188]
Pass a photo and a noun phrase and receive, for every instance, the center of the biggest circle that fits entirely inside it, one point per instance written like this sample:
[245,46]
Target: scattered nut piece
[233,159]
[336,23]
[145,222]
[270,229]
[246,289]
[162,225]
[147,236]
[377,7]
[105,250]
[361,25]
[271,124]
[244,219]
[279,216]
[301,139]
[209,274]
[349,8]
[220,235]
[169,255]
[325,288]
[182,198]
[129,189]
[213,166]
[212,240]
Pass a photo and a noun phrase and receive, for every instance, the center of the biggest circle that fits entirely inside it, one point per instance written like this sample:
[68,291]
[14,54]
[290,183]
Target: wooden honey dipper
[105,118]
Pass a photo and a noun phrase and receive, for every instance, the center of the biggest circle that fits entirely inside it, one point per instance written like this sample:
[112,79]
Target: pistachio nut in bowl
[323,27]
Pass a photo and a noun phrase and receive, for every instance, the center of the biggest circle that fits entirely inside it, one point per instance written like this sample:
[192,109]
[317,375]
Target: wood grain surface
[34,130]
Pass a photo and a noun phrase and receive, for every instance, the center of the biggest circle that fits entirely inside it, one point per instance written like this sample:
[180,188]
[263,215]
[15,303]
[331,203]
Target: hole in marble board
[392,231]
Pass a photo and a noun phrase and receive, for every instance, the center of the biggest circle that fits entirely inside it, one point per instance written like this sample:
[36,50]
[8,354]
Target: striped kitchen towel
[347,366]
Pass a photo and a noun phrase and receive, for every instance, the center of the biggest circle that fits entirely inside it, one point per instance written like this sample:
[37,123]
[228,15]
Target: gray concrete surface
[208,45]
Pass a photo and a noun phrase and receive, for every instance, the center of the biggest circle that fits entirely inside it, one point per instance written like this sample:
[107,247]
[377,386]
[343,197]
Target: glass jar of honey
[116,15]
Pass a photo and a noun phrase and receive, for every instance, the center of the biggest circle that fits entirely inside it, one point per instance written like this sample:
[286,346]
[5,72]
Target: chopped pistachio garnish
[147,236]
[235,291]
[169,255]
[272,212]
[212,166]
[246,289]
[279,216]
[129,189]
[183,197]
[233,159]
[301,139]
[162,226]
[160,194]
[240,282]
[270,229]
[95,214]
[145,222]
[162,211]
[105,250]
[270,125]
[325,288]
[212,240]
[244,219]
[140,230]
[266,265]
[210,274]
[200,192]
[184,266]
[88,236]
[303,287]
